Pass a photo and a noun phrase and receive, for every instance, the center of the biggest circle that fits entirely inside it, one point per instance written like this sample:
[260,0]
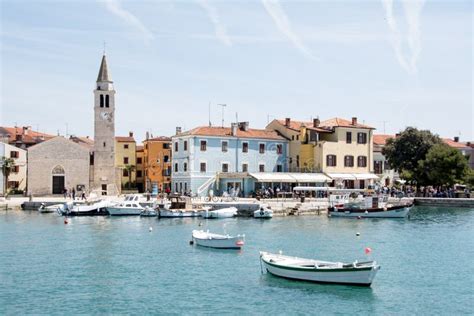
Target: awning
[365,176]
[310,177]
[341,176]
[272,177]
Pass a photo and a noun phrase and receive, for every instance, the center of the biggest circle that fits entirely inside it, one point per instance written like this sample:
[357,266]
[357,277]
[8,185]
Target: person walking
[73,194]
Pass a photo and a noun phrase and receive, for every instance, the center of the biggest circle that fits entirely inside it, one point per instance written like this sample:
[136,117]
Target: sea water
[117,265]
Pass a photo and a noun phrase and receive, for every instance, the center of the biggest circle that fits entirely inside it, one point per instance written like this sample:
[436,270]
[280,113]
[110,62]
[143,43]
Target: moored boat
[263,212]
[179,207]
[207,239]
[370,207]
[227,212]
[51,208]
[130,206]
[355,273]
[95,208]
[149,212]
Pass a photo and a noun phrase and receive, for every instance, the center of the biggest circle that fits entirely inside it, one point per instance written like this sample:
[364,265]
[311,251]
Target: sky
[392,64]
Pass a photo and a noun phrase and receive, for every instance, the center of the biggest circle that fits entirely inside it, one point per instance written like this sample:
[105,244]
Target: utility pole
[223,106]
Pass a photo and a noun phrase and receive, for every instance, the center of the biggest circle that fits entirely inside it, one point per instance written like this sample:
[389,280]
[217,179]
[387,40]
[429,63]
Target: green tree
[7,165]
[405,151]
[444,165]
[130,169]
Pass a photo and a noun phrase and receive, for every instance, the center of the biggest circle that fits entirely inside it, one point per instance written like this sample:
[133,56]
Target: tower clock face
[106,116]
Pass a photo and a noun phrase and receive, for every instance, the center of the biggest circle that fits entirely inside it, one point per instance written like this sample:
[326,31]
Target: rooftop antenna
[67,130]
[209,110]
[104,47]
[236,117]
[384,125]
[223,106]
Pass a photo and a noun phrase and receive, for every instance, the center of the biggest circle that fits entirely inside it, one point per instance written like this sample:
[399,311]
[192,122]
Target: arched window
[101,100]
[107,101]
[58,170]
[185,167]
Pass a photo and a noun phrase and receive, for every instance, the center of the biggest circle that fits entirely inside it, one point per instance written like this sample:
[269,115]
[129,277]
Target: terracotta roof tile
[226,132]
[340,122]
[160,138]
[28,136]
[451,143]
[125,139]
[381,139]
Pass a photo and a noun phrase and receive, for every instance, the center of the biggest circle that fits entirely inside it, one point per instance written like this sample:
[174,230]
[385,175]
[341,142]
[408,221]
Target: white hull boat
[98,208]
[207,239]
[163,212]
[51,208]
[395,212]
[130,206]
[227,212]
[356,273]
[149,212]
[263,212]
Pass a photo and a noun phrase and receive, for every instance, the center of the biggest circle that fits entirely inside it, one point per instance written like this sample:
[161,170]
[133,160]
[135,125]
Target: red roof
[226,132]
[382,139]
[27,135]
[125,139]
[451,143]
[324,126]
[295,125]
[139,148]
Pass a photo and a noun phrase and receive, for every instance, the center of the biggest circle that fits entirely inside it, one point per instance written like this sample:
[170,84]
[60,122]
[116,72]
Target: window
[362,138]
[107,101]
[348,161]
[139,173]
[166,158]
[176,146]
[386,165]
[292,137]
[91,159]
[176,186]
[185,186]
[261,148]
[297,137]
[203,145]
[349,137]
[103,144]
[175,167]
[203,167]
[185,166]
[185,145]
[125,160]
[361,184]
[297,161]
[166,146]
[245,147]
[13,184]
[261,168]
[125,146]
[378,167]
[331,160]
[245,167]
[362,161]
[16,169]
[139,160]
[101,100]
[225,167]
[125,173]
[224,145]
[14,154]
[279,168]
[279,149]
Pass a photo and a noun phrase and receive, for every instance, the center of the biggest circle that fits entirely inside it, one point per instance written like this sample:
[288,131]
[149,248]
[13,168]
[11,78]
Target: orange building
[157,163]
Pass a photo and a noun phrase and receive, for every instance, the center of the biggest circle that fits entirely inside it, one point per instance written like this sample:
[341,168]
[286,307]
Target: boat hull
[227,242]
[263,214]
[178,214]
[396,212]
[222,213]
[118,211]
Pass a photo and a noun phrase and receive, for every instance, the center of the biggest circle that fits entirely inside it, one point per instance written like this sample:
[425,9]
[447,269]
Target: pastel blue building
[223,159]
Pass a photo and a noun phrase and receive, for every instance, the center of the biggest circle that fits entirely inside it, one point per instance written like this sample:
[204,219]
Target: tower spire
[103,75]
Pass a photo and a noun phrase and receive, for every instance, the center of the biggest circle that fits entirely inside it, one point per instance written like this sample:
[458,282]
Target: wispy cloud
[282,22]
[221,32]
[115,7]
[412,9]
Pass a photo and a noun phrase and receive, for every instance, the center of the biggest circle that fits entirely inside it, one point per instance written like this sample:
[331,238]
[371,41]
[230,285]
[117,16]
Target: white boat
[207,239]
[92,208]
[370,207]
[227,212]
[356,273]
[149,212]
[51,208]
[263,212]
[179,207]
[129,206]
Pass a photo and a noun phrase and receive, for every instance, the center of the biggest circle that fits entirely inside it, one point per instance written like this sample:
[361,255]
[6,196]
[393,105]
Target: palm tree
[7,164]
[130,169]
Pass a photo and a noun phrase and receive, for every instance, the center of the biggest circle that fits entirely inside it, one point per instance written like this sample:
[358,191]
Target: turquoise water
[115,265]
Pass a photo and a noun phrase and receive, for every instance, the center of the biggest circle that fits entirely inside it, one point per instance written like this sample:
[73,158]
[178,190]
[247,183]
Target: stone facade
[57,158]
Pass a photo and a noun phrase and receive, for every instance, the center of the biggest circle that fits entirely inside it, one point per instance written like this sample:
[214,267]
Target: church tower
[104,170]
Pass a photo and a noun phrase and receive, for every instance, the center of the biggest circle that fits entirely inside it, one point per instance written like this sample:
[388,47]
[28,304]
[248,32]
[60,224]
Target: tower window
[107,101]
[101,100]
[104,144]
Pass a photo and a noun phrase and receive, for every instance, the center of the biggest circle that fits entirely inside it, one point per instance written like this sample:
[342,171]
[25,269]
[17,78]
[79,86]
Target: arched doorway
[58,179]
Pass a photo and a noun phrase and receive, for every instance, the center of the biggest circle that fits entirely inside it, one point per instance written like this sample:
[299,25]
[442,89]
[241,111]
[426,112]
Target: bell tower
[104,171]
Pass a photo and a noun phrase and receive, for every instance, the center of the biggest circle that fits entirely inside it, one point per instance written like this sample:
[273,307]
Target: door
[58,184]
[104,189]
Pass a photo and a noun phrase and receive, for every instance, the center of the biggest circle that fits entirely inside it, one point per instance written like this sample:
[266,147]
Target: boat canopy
[289,177]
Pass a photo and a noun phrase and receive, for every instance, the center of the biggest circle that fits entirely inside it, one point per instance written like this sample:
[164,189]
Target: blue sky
[392,63]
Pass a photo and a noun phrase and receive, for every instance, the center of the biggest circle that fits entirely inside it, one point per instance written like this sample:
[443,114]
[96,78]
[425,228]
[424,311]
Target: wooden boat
[227,212]
[179,207]
[130,206]
[207,239]
[356,273]
[263,212]
[370,207]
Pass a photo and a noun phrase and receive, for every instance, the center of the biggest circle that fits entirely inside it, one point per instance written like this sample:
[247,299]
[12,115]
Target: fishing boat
[129,206]
[91,208]
[227,212]
[179,206]
[263,212]
[355,273]
[207,239]
[149,212]
[370,207]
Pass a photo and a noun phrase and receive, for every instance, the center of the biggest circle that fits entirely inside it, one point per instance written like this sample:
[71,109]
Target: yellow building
[157,164]
[125,160]
[340,148]
[140,172]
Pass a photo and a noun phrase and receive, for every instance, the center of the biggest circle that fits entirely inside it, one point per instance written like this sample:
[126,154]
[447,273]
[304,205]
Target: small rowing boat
[207,239]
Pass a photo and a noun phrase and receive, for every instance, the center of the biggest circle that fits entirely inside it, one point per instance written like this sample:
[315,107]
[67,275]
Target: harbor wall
[445,202]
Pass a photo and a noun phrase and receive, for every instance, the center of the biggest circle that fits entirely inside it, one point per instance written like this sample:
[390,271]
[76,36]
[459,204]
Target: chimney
[244,126]
[233,129]
[26,129]
[147,135]
[456,139]
[354,121]
[316,122]
[130,134]
[287,122]
[178,130]
[468,144]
